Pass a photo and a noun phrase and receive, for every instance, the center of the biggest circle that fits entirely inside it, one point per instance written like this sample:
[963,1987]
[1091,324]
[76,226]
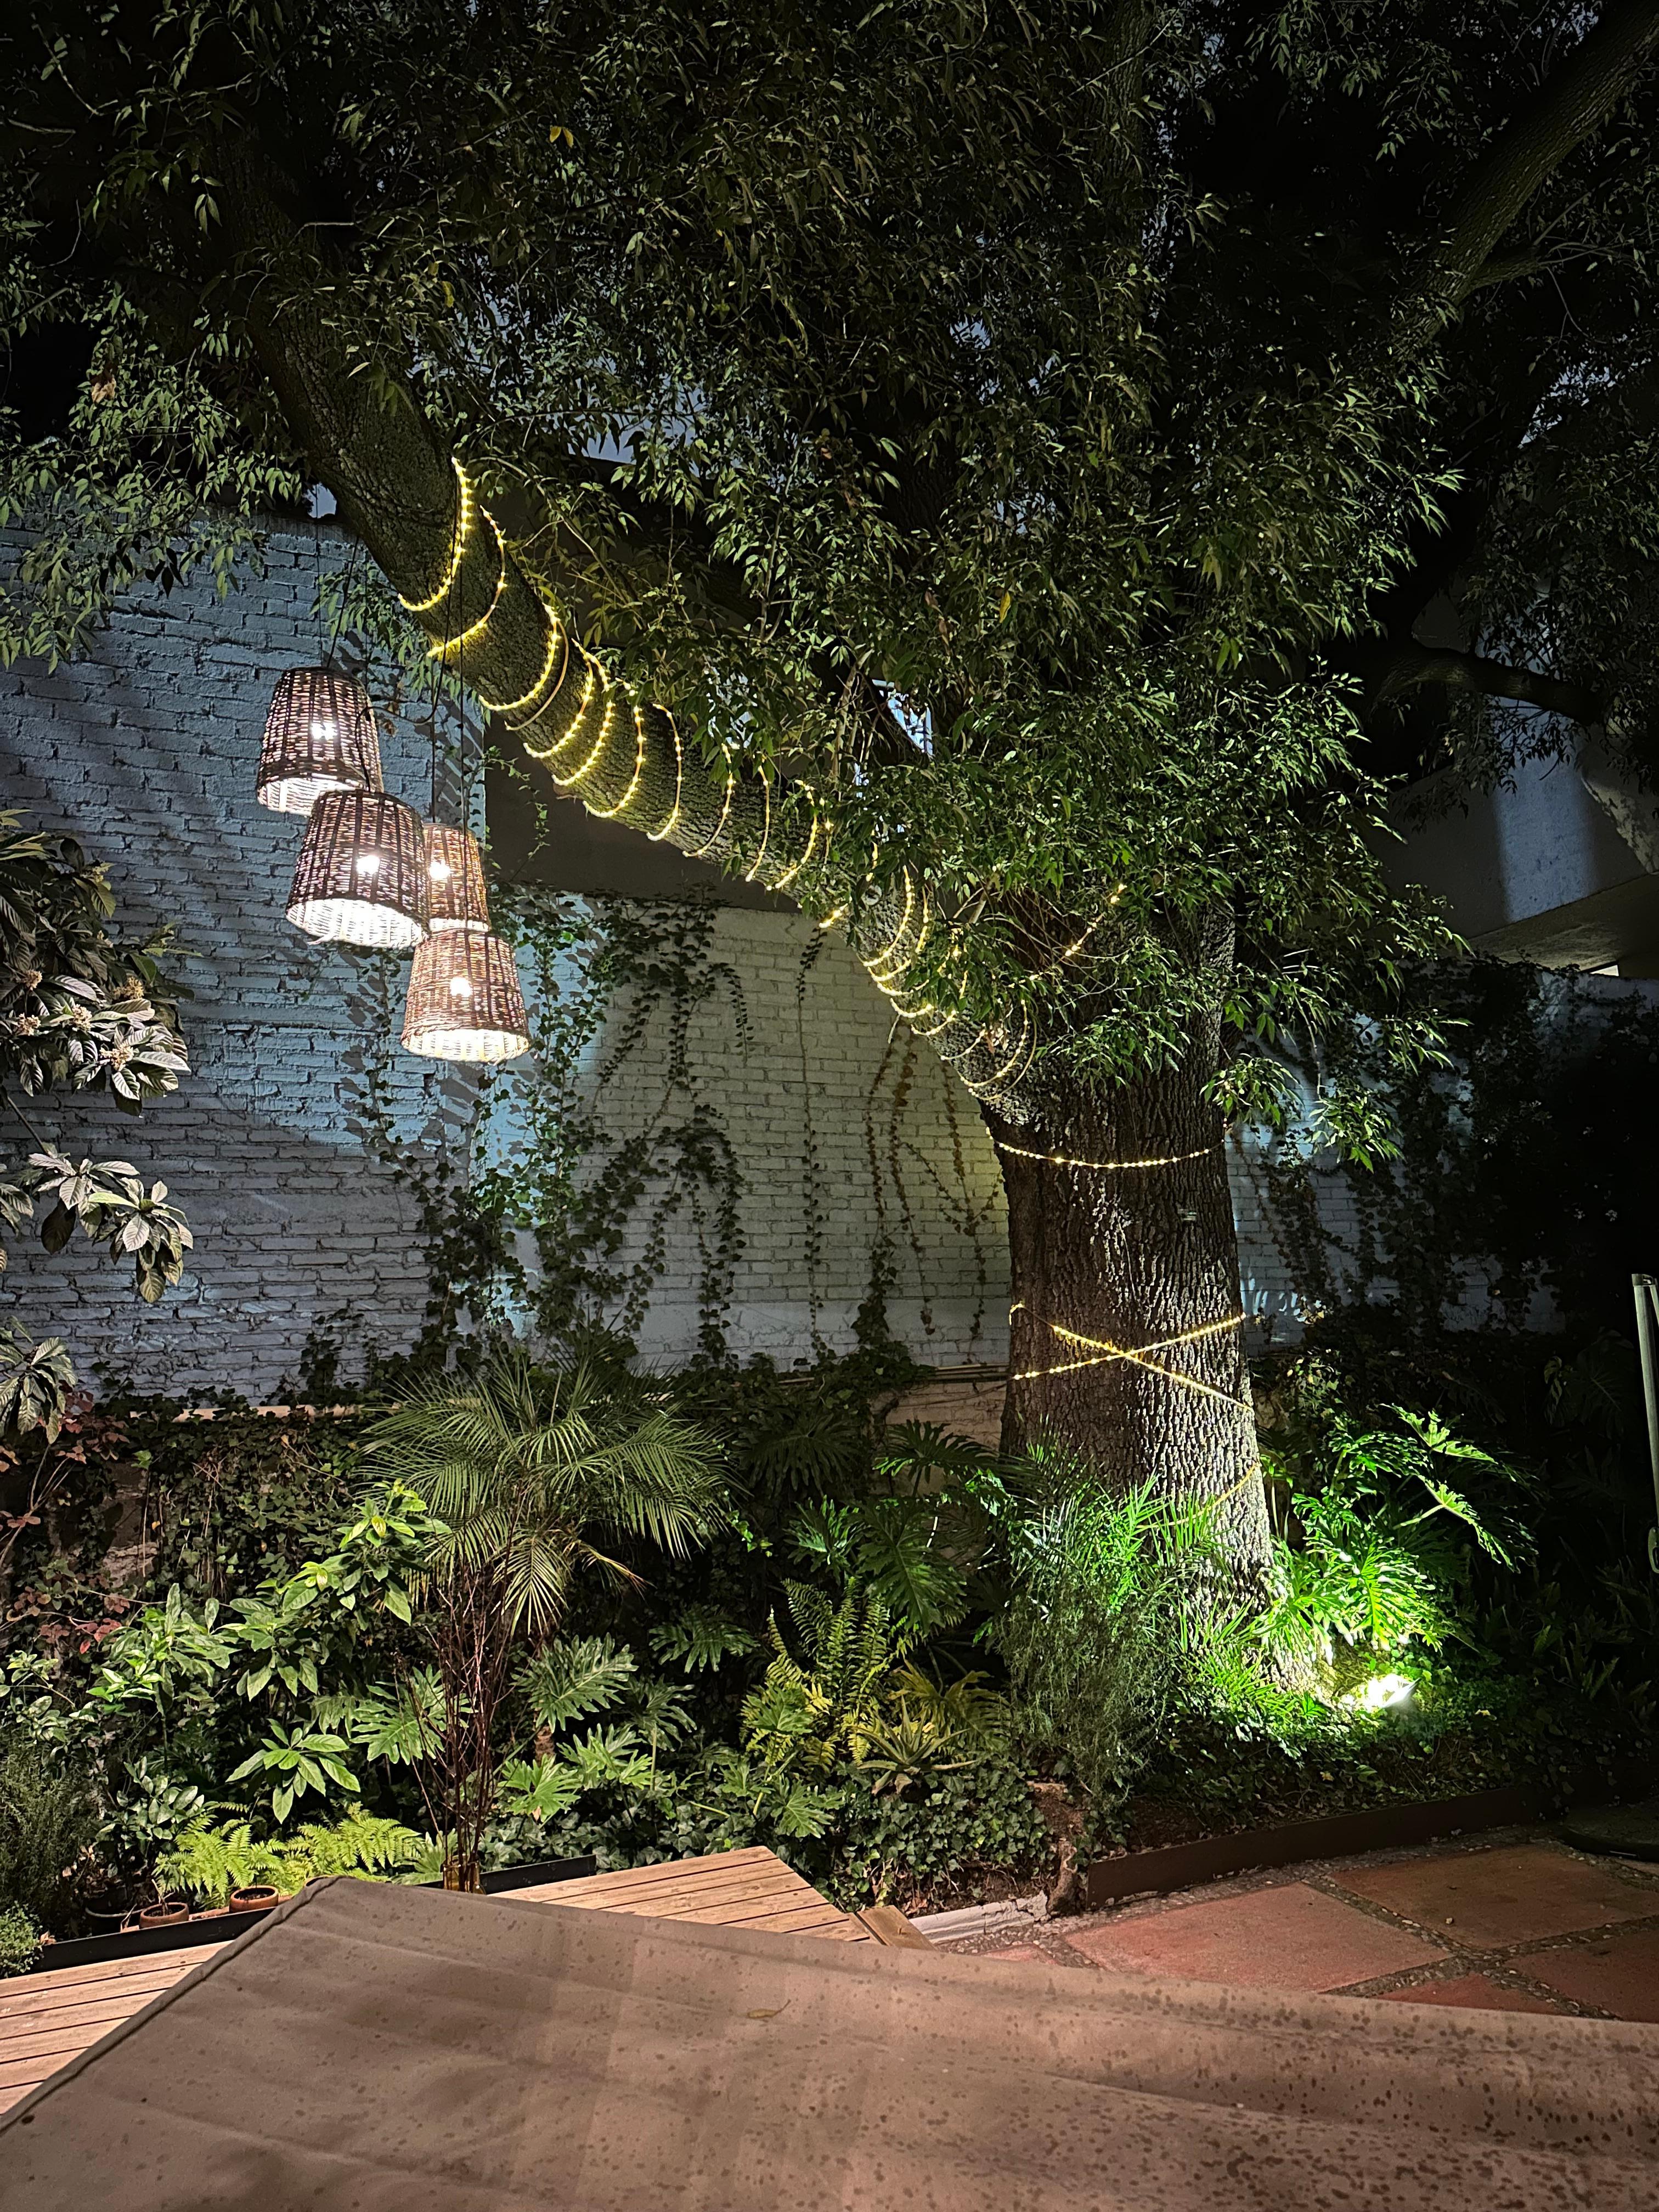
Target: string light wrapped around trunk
[465,1002]
[361,873]
[455,894]
[319,736]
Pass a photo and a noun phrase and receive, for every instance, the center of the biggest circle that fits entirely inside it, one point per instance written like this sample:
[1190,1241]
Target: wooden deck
[48,2018]
[731,1889]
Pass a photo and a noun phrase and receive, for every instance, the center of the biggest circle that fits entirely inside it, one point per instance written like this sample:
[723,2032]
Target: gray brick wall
[146,748]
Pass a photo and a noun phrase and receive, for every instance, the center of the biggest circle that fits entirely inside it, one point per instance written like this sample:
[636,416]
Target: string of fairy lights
[1100,1351]
[371,872]
[627,762]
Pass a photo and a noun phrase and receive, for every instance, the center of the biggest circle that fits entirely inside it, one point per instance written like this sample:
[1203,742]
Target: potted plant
[166,1912]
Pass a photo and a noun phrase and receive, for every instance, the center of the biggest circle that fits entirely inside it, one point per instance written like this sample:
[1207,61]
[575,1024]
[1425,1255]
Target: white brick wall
[146,748]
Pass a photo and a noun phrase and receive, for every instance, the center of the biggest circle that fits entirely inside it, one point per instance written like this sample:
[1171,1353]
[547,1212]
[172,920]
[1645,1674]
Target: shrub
[945,1843]
[47,1821]
[1113,1599]
[20,1940]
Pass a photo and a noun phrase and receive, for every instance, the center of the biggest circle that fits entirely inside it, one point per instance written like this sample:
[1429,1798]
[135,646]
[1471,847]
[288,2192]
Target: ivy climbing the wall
[544,1200]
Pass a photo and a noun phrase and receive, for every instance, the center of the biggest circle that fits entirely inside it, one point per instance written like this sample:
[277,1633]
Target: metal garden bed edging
[225,1927]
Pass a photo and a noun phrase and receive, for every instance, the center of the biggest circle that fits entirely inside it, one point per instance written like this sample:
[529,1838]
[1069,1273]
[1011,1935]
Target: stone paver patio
[1515,1922]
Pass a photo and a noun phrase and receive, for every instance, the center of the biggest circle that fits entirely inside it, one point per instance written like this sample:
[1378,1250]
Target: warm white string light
[464,521]
[1104,1353]
[1061,1160]
[889,969]
[457,644]
[557,647]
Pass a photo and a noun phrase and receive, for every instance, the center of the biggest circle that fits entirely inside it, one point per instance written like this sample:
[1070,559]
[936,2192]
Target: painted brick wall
[146,748]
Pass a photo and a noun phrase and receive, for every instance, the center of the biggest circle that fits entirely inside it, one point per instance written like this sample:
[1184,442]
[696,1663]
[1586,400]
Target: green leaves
[302,1759]
[702,1637]
[567,1681]
[209,1862]
[521,1464]
[896,1547]
[538,1791]
[109,1200]
[1371,1562]
[35,1382]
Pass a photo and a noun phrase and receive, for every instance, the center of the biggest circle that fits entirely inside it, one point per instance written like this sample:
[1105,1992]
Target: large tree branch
[1572,102]
[1494,680]
[401,492]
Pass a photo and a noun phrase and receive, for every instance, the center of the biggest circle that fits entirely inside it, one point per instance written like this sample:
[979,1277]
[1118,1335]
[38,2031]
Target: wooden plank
[785,1916]
[30,2070]
[49,2019]
[725,1906]
[670,1906]
[754,1855]
[25,2002]
[675,1873]
[648,1881]
[889,1925]
[114,1969]
[667,1898]
[129,1998]
[749,1888]
[58,2045]
[55,2017]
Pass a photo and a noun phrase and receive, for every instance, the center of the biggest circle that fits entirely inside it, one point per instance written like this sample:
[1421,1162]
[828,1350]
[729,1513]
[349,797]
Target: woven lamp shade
[455,895]
[464,999]
[319,736]
[361,873]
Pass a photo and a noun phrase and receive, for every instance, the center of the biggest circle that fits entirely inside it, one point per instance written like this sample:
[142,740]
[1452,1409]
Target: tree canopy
[1041,431]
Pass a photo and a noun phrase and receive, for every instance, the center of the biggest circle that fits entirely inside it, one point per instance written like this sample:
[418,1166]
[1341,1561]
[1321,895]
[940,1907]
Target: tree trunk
[1121,1242]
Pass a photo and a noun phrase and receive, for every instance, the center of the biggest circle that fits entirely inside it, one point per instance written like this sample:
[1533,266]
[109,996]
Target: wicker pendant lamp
[362,874]
[455,894]
[465,1002]
[319,736]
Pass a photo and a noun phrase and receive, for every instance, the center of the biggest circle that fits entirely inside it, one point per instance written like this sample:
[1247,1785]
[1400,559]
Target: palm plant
[527,1466]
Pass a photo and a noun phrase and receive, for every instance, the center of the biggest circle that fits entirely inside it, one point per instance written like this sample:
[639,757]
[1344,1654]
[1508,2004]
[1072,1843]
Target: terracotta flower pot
[163,1916]
[255,1897]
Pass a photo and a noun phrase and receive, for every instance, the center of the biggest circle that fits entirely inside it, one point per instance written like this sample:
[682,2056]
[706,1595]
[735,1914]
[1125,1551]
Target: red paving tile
[1511,1895]
[1620,1973]
[1474,1991]
[1291,1937]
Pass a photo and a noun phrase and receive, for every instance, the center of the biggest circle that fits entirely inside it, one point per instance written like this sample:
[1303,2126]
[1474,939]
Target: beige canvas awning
[389,2050]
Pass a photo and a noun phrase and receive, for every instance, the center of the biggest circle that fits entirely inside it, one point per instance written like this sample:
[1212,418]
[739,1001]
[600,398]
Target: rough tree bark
[1125,1335]
[1107,1259]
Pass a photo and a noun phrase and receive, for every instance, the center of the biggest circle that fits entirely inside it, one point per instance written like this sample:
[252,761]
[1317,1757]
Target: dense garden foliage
[661,1619]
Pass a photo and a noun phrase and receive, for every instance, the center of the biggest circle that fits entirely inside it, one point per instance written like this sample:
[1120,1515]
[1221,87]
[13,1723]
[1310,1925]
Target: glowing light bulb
[1384,1694]
[440,872]
[460,987]
[322,729]
[369,864]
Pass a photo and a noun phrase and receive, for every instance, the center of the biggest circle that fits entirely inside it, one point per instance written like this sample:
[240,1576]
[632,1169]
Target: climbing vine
[894,1156]
[542,1198]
